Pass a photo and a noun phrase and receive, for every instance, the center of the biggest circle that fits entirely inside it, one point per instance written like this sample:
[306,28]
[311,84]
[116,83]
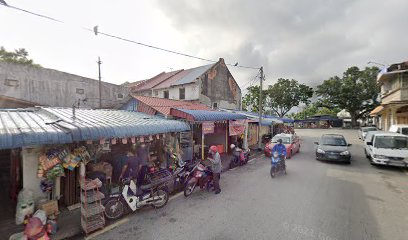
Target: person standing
[216,167]
[131,167]
[143,153]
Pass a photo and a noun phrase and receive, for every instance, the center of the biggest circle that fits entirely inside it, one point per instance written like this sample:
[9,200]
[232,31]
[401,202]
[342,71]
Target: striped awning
[376,110]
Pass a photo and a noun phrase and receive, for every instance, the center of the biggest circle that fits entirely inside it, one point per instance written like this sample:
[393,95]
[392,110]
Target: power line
[95,30]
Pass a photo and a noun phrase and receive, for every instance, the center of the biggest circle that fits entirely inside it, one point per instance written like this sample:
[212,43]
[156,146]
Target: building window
[166,94]
[80,91]
[215,105]
[156,93]
[11,82]
[182,93]
[120,96]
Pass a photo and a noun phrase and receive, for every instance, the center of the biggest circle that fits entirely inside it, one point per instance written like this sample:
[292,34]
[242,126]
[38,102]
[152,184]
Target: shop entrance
[10,185]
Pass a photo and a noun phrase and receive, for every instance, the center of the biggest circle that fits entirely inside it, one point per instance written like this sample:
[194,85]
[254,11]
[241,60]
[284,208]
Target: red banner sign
[236,127]
[208,127]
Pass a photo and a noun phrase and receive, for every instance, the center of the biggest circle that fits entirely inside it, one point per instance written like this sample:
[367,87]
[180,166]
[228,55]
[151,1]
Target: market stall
[211,128]
[54,142]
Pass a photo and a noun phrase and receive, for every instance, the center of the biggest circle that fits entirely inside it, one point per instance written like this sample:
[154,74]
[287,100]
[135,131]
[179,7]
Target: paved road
[315,200]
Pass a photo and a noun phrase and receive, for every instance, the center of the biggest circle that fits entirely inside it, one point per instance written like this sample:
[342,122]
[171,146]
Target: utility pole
[100,82]
[260,108]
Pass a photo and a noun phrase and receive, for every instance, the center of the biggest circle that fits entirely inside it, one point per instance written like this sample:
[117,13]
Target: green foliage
[312,110]
[250,102]
[19,56]
[286,94]
[356,91]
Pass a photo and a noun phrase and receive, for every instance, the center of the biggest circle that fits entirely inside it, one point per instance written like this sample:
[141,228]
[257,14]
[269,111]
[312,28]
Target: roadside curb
[175,196]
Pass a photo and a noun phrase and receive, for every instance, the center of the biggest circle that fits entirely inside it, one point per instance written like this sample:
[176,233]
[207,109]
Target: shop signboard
[236,127]
[208,127]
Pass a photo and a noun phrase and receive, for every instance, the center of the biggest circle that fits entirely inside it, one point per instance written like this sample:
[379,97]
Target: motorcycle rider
[280,149]
[236,151]
[216,167]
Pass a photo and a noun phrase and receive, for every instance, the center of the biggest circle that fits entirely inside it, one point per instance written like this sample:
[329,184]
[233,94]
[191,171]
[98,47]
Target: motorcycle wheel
[164,198]
[114,208]
[273,172]
[189,188]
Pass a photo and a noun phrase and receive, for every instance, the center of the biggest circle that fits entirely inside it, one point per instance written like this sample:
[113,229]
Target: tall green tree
[286,94]
[356,91]
[250,102]
[18,56]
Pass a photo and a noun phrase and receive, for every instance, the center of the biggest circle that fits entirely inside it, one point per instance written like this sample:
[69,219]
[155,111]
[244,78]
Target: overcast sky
[305,40]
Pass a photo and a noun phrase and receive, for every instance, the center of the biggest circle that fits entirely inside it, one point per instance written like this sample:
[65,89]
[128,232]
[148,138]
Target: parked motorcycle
[182,174]
[154,193]
[278,164]
[239,157]
[201,176]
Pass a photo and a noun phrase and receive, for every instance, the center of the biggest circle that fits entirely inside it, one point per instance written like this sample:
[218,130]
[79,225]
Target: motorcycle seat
[146,187]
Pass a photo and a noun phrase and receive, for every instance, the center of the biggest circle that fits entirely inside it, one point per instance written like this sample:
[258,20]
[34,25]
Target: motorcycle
[201,176]
[278,164]
[240,157]
[182,174]
[154,193]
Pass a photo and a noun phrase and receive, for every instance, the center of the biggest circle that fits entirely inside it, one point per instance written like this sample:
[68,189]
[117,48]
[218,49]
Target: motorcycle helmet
[214,148]
[279,140]
[232,146]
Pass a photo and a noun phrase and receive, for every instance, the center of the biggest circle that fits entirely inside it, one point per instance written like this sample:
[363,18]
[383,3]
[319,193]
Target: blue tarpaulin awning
[38,126]
[204,115]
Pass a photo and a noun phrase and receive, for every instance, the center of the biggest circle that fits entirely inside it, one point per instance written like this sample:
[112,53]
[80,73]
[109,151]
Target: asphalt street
[315,200]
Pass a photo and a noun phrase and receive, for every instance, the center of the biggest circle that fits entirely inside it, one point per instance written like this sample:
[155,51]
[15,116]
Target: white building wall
[30,156]
[192,92]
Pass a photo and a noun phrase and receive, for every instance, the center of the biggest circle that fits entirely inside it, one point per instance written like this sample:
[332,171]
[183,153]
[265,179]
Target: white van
[399,128]
[385,148]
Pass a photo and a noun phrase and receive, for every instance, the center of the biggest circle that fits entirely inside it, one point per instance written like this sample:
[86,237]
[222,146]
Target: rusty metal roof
[174,78]
[163,105]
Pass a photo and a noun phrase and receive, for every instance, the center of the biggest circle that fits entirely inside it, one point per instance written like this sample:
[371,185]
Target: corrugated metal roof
[193,74]
[26,127]
[29,127]
[254,116]
[97,124]
[203,115]
[154,81]
[163,105]
[174,78]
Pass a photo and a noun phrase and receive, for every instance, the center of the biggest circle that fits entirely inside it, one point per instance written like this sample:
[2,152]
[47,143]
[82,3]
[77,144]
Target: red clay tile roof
[163,106]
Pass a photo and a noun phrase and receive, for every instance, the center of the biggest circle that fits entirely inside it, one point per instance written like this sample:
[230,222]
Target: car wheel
[298,149]
[290,155]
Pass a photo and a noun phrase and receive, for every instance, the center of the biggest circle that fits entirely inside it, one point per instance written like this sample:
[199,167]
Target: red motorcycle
[201,176]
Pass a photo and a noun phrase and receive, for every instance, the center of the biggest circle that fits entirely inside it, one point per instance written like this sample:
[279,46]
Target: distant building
[27,86]
[394,96]
[212,85]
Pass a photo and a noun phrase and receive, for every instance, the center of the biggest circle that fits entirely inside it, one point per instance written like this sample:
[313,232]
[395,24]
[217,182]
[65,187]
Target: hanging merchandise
[124,141]
[133,139]
[82,153]
[113,141]
[46,185]
[71,161]
[56,171]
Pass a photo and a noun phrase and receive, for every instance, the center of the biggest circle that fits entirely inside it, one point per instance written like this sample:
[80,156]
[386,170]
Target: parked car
[399,128]
[362,132]
[369,138]
[388,149]
[333,147]
[291,142]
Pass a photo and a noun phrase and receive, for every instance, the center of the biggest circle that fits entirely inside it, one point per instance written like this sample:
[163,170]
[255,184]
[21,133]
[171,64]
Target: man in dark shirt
[143,152]
[131,167]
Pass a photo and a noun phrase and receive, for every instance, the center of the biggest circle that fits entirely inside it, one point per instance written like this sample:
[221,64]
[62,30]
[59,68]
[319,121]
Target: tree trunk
[353,120]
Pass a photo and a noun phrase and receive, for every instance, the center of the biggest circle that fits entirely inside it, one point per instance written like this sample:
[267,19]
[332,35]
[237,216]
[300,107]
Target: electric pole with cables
[100,82]
[261,77]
